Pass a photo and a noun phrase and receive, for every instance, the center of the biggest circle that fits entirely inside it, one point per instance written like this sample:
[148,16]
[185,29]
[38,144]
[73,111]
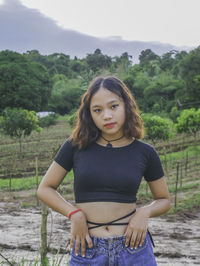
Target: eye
[114,106]
[97,110]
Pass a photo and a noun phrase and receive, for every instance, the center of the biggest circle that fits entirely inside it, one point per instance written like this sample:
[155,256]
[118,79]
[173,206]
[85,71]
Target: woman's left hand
[137,228]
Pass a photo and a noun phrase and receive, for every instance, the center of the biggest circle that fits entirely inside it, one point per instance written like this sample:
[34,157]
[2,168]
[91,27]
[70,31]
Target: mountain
[23,29]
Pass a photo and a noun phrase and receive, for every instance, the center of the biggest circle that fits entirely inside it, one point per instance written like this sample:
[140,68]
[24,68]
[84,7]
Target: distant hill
[23,29]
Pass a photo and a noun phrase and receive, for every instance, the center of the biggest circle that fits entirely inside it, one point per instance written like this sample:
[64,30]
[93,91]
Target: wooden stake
[43,252]
[176,189]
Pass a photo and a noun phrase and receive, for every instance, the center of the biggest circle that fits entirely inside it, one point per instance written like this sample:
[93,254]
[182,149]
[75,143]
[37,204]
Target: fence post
[36,176]
[176,189]
[43,252]
[186,163]
[181,175]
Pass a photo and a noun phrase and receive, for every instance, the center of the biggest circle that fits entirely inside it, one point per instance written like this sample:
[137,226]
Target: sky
[168,21]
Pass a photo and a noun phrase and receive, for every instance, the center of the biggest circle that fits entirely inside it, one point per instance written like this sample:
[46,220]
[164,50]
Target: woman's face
[108,113]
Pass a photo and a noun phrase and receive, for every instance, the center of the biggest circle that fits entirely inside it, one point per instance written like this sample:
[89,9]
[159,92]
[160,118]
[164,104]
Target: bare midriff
[105,212]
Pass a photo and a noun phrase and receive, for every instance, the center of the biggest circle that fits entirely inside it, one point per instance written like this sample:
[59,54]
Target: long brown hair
[86,132]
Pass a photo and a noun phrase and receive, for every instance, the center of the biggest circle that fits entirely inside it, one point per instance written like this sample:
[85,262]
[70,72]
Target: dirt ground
[177,237]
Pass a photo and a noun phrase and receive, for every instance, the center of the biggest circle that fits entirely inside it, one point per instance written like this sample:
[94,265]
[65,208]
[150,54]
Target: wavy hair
[85,132]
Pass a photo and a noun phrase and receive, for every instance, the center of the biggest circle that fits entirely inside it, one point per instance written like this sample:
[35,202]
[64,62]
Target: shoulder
[144,146]
[69,144]
[146,149]
[66,148]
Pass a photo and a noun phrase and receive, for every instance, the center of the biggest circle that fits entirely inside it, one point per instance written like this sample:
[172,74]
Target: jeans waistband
[115,239]
[112,241]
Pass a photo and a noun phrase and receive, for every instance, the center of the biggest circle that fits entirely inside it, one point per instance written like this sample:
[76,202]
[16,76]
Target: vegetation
[189,121]
[172,151]
[157,128]
[56,82]
[18,123]
[48,120]
[166,88]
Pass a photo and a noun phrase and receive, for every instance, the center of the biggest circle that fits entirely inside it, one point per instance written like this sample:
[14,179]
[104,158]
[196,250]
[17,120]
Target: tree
[150,62]
[188,122]
[147,56]
[162,90]
[157,127]
[48,120]
[174,114]
[18,123]
[190,72]
[97,61]
[167,60]
[66,95]
[177,60]
[77,66]
[23,84]
[137,83]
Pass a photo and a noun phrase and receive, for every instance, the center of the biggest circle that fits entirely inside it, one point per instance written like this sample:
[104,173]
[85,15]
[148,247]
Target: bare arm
[137,228]
[47,190]
[48,194]
[160,193]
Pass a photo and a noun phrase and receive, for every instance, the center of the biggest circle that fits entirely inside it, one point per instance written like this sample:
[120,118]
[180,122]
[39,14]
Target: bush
[157,127]
[72,119]
[48,121]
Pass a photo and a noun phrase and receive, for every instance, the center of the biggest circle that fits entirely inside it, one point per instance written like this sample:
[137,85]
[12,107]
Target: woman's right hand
[79,233]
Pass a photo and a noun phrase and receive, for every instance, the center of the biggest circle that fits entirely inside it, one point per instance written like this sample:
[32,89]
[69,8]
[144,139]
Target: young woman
[108,161]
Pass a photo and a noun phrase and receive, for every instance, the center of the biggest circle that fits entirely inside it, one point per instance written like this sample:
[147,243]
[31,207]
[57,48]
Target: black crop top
[110,174]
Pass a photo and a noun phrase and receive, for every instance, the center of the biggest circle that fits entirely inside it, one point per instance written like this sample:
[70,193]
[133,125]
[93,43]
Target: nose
[107,114]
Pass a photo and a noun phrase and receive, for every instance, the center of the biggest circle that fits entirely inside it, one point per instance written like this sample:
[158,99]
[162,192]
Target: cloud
[23,29]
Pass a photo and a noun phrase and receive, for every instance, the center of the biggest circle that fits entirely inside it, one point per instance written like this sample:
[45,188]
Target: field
[20,211]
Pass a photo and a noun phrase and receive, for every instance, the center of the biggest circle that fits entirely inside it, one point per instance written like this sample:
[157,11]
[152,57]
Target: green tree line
[166,84]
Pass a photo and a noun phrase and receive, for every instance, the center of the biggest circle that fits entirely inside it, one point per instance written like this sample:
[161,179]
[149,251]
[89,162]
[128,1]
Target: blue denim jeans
[112,252]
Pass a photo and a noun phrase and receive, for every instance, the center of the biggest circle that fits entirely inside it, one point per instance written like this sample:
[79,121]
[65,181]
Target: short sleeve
[154,169]
[64,156]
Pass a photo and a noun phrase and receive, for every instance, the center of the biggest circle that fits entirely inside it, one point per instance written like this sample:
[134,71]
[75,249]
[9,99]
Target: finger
[89,241]
[128,238]
[77,245]
[72,242]
[83,247]
[142,239]
[138,239]
[133,240]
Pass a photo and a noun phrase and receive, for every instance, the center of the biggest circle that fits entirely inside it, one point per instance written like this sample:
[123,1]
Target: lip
[110,125]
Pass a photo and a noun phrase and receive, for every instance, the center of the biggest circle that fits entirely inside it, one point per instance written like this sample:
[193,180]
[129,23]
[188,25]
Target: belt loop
[95,241]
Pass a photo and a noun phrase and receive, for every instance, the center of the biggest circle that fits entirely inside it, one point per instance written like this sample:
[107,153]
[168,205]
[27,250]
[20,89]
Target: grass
[19,183]
[189,202]
[192,151]
[54,261]
[184,187]
[28,183]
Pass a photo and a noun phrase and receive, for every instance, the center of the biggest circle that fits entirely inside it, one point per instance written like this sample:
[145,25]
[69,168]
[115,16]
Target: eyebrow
[96,105]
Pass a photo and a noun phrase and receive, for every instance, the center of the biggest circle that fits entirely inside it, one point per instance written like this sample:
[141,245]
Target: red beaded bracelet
[71,213]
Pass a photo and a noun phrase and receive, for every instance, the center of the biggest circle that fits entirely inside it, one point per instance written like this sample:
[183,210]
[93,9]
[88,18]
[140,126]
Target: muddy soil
[177,237]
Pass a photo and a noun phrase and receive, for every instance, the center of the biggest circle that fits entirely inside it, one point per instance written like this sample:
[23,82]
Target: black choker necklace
[109,145]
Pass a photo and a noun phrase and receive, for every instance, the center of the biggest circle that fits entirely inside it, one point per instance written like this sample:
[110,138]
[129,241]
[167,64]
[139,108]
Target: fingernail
[76,254]
[126,245]
[135,247]
[83,256]
[131,247]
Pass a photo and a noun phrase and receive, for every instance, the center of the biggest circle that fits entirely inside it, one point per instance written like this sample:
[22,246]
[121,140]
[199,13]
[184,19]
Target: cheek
[95,120]
[122,115]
